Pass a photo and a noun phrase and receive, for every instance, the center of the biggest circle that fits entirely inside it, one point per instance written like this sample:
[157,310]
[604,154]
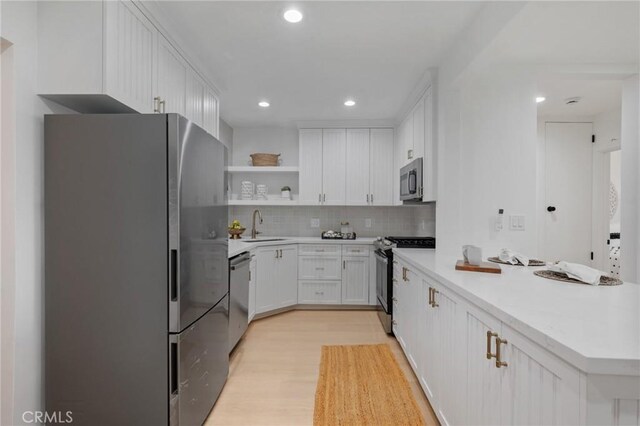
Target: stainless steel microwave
[411,181]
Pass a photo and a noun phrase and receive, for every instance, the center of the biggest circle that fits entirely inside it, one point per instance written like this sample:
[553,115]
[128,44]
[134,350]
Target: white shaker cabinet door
[310,145]
[333,166]
[286,276]
[450,350]
[129,49]
[357,169]
[172,78]
[483,378]
[537,387]
[430,160]
[428,369]
[211,113]
[194,100]
[355,280]
[381,167]
[266,296]
[418,130]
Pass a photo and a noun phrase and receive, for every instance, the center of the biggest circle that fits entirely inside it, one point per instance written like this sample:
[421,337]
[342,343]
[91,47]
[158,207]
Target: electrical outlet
[315,223]
[367,223]
[516,222]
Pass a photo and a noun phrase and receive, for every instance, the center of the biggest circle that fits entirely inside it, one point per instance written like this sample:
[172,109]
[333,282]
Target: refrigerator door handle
[173,275]
[173,366]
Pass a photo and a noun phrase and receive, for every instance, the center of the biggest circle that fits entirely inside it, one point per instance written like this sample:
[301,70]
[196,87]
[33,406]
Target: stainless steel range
[384,271]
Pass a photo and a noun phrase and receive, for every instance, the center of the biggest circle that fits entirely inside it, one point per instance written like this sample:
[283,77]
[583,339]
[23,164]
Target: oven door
[382,280]
[411,181]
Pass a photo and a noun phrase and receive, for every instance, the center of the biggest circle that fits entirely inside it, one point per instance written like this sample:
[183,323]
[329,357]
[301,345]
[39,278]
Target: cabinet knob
[551,209]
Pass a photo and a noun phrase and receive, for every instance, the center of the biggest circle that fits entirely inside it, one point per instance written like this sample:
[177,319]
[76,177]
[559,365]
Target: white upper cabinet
[310,166]
[130,49]
[171,78]
[96,57]
[333,166]
[416,139]
[194,99]
[416,148]
[358,168]
[211,113]
[430,152]
[381,170]
[109,57]
[346,167]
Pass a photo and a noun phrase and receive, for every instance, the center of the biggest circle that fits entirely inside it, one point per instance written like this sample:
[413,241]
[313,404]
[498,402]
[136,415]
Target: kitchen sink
[262,240]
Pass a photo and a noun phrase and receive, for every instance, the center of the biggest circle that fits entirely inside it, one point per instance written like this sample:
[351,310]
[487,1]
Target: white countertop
[239,246]
[594,328]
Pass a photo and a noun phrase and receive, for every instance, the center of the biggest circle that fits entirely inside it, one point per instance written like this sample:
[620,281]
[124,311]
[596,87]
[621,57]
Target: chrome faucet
[254,232]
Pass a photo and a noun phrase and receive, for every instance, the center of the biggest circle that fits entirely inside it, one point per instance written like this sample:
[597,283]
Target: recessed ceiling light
[349,102]
[292,15]
[540,99]
[263,104]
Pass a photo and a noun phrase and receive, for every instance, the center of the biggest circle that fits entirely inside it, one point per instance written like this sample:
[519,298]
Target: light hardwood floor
[274,370]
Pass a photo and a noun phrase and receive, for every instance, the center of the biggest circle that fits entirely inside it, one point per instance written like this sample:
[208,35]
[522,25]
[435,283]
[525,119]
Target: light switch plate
[367,223]
[516,222]
[315,223]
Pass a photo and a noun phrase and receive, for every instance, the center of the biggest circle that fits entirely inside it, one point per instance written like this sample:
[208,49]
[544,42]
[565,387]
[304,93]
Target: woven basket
[261,159]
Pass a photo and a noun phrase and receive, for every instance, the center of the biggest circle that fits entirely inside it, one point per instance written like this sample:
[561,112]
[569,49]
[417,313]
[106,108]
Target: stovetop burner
[413,242]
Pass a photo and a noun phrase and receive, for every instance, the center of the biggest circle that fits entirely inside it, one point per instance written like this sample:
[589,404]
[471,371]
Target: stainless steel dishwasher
[238,297]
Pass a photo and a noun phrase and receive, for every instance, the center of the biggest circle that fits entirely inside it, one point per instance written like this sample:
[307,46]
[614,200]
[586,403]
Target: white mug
[472,255]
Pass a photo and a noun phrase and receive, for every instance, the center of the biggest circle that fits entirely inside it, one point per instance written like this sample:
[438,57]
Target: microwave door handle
[412,182]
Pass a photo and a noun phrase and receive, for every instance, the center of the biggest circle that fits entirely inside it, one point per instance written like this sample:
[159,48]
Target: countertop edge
[586,364]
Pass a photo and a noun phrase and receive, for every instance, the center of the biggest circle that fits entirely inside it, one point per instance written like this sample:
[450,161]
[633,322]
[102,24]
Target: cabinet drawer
[318,249]
[319,292]
[354,250]
[319,267]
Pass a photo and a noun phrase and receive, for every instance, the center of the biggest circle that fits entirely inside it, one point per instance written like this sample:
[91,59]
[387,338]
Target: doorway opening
[579,124]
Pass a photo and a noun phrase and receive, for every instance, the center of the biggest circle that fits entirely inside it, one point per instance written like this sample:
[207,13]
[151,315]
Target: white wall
[273,140]
[498,159]
[226,137]
[630,186]
[19,20]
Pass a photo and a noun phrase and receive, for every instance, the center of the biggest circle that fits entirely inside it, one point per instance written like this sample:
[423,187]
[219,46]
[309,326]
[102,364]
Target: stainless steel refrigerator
[136,269]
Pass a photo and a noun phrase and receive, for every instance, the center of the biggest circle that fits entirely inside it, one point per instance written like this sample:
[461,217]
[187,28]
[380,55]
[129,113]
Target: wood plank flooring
[274,370]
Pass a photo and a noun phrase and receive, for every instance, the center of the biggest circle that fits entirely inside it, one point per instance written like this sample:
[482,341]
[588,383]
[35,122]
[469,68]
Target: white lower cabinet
[319,292]
[355,280]
[277,277]
[475,369]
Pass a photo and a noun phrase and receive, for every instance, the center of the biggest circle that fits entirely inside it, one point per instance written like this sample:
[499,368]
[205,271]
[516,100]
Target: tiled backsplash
[296,221]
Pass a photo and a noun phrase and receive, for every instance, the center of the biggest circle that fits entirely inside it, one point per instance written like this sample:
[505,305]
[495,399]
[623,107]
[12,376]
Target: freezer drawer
[199,365]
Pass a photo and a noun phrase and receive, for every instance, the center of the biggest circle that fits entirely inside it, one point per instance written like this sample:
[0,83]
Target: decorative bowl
[236,232]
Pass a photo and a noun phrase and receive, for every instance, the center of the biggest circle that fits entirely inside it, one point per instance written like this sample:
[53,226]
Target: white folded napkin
[579,272]
[513,257]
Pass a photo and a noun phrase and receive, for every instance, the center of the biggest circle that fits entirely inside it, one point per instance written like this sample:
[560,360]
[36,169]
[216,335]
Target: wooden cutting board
[486,267]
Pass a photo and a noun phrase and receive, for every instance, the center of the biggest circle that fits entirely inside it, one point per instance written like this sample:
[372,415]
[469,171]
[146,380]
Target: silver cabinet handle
[367,198]
[344,264]
[280,253]
[324,198]
[371,198]
[276,254]
[319,198]
[158,105]
[319,269]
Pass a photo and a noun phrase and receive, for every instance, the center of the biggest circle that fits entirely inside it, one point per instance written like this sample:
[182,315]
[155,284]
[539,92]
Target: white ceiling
[596,96]
[571,32]
[374,52]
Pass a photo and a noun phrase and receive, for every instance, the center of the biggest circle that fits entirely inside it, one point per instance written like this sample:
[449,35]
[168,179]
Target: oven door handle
[382,258]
